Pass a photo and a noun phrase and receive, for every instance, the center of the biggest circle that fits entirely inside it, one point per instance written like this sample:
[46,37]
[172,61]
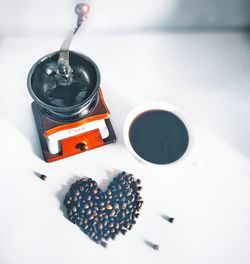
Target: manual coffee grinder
[70,113]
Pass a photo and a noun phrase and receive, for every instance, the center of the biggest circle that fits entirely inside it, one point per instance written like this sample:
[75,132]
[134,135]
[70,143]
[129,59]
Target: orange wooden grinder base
[75,144]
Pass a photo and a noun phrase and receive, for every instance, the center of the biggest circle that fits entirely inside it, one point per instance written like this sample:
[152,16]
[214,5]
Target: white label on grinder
[54,145]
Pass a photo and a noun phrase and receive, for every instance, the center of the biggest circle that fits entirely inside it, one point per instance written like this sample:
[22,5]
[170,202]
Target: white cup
[158,105]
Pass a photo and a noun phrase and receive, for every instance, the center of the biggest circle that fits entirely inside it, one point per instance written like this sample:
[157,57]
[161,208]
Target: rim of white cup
[158,105]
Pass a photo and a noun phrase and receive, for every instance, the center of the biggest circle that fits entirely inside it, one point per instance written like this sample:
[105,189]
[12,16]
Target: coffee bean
[89,212]
[109,207]
[124,205]
[118,211]
[155,247]
[112,213]
[69,212]
[116,206]
[123,231]
[171,220]
[72,219]
[127,186]
[129,227]
[43,177]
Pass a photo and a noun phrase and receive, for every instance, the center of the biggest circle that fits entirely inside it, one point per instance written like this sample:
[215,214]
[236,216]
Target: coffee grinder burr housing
[69,109]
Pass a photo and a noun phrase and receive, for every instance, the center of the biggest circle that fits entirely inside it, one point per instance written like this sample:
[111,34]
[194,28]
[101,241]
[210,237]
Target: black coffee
[159,136]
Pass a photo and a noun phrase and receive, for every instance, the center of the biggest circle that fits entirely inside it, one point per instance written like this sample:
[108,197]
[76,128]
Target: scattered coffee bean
[171,220]
[43,177]
[156,247]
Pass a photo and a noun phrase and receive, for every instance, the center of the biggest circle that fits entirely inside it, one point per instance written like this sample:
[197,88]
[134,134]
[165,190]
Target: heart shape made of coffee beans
[104,214]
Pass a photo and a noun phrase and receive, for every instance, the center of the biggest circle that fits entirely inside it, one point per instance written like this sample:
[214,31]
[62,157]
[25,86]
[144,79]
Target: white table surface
[206,75]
